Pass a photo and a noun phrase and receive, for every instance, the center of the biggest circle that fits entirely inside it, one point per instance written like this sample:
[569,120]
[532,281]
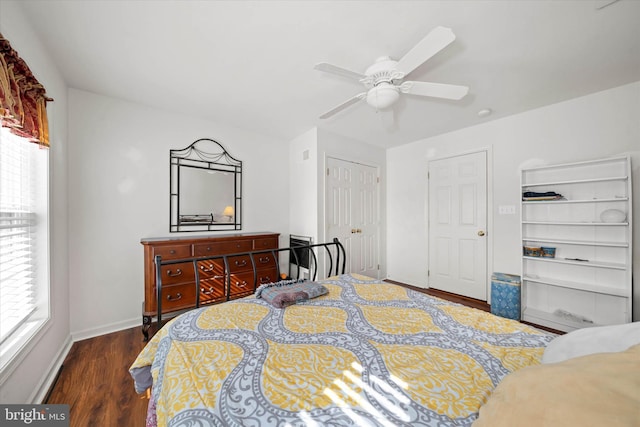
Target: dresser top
[183,238]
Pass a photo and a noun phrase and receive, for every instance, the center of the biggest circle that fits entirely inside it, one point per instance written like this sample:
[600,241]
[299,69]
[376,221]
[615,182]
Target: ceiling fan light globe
[383,96]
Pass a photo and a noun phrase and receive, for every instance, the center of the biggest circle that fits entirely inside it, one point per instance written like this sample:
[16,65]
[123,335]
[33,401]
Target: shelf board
[576,242]
[597,224]
[623,159]
[554,321]
[564,201]
[600,264]
[577,181]
[586,287]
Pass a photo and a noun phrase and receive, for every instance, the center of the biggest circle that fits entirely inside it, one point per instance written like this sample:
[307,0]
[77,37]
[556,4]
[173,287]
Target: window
[24,243]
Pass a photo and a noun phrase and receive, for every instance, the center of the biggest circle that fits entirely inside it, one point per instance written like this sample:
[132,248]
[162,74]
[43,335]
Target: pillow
[596,390]
[287,292]
[601,339]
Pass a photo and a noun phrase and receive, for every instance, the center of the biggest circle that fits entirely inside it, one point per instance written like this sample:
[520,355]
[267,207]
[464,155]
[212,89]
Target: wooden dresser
[178,280]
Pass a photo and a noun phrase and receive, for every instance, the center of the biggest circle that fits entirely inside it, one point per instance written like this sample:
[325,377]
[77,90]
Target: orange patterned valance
[23,100]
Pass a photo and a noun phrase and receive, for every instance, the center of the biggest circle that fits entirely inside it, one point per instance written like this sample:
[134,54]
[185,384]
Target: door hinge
[378,179]
[428,273]
[378,266]
[327,171]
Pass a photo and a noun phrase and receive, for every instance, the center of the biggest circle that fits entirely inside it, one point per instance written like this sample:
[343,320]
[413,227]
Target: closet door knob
[480,233]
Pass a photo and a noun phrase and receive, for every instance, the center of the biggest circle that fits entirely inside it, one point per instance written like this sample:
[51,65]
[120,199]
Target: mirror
[205,188]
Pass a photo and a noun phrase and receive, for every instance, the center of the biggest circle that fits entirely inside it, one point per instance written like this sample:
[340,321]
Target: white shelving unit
[588,282]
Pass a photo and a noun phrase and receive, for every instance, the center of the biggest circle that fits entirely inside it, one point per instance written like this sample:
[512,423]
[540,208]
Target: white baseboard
[40,392]
[107,329]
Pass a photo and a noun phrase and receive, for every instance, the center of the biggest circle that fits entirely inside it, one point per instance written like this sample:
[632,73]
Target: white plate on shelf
[613,215]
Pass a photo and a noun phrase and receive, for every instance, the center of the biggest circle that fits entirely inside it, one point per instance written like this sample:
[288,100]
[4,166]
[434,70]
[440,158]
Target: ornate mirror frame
[206,176]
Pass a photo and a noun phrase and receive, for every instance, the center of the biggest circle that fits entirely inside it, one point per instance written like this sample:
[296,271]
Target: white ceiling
[250,63]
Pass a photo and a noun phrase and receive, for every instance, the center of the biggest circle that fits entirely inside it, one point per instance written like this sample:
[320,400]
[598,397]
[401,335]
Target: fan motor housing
[382,71]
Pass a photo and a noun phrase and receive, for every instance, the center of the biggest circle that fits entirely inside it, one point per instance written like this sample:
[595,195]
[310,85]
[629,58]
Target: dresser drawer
[211,269]
[243,282]
[177,297]
[177,273]
[266,260]
[211,290]
[266,243]
[172,252]
[240,263]
[221,248]
[269,275]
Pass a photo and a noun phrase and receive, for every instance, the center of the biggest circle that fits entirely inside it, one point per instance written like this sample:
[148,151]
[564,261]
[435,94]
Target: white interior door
[352,213]
[457,225]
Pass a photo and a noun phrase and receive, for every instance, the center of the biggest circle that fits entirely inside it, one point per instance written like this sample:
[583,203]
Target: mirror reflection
[205,188]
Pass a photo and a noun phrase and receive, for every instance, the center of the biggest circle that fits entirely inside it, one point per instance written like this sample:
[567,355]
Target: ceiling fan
[384,79]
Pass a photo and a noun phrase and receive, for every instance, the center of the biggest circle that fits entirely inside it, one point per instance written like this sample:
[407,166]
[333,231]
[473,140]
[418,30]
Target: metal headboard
[333,269]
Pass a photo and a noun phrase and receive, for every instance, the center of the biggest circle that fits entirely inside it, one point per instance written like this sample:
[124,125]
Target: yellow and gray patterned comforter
[366,353]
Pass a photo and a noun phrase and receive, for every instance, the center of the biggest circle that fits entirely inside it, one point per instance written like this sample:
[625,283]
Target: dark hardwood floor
[470,302]
[95,380]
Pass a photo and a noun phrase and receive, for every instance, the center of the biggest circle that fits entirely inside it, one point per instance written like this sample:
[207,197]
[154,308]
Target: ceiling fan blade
[334,69]
[433,43]
[344,105]
[435,90]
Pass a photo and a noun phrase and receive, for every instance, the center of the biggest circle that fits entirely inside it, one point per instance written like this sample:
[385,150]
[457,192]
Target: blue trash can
[505,295]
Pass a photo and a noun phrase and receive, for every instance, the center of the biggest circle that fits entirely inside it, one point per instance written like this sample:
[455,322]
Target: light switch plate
[507,210]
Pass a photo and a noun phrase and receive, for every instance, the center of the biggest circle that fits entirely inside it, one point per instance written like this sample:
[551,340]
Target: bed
[364,353]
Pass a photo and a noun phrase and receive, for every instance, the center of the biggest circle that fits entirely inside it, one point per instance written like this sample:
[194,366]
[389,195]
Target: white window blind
[18,231]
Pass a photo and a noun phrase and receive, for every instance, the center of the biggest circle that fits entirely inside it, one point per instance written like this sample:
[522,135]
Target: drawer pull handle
[176,298]
[264,260]
[172,251]
[204,291]
[265,279]
[206,269]
[241,284]
[178,272]
[241,263]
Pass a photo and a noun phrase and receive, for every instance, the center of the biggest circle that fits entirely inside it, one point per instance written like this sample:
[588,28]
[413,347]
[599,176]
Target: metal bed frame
[339,268]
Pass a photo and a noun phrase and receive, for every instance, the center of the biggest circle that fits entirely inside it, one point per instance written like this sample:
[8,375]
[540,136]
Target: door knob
[480,233]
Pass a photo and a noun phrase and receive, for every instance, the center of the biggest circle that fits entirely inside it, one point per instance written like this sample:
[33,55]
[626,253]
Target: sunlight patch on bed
[346,408]
[382,400]
[294,376]
[387,388]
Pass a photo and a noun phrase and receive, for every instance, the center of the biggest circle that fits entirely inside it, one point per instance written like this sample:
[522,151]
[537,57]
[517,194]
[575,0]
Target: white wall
[28,379]
[119,193]
[598,125]
[303,185]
